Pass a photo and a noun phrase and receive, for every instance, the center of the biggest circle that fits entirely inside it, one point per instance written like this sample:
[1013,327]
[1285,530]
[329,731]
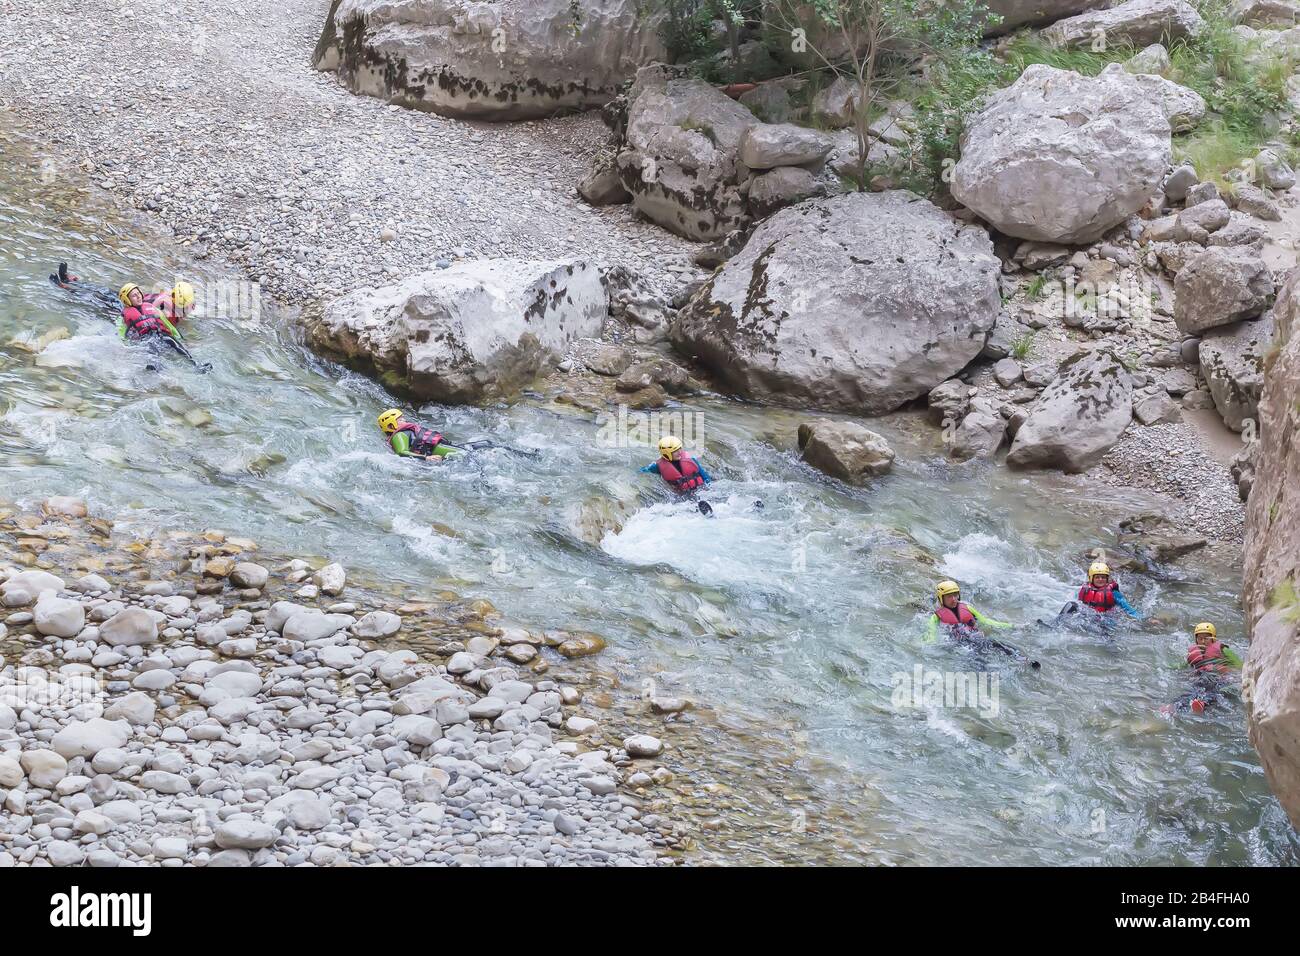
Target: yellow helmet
[182,295]
[389,419]
[124,293]
[1205,627]
[1098,567]
[669,445]
[944,588]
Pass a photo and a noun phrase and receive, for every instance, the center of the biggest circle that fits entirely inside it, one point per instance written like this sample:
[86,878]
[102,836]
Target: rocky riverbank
[185,700]
[263,162]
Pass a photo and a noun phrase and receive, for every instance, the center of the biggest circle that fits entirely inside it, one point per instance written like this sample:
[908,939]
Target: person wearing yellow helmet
[176,303]
[1212,663]
[413,440]
[681,472]
[1101,592]
[137,315]
[962,620]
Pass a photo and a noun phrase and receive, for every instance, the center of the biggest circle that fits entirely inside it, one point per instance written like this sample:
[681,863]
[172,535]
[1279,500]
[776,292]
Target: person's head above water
[948,593]
[669,445]
[1099,574]
[130,295]
[1205,633]
[182,296]
[390,419]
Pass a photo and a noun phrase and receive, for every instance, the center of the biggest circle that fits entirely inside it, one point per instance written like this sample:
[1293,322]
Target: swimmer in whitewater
[1213,663]
[413,440]
[965,624]
[1100,594]
[681,471]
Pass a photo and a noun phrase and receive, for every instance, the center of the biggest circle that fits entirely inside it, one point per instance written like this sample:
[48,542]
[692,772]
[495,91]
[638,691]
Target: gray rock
[1077,418]
[442,55]
[1137,23]
[845,450]
[868,301]
[1063,158]
[1219,286]
[475,331]
[1232,364]
[769,145]
[129,627]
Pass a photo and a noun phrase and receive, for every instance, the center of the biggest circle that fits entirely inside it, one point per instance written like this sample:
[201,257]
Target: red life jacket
[1206,657]
[1099,599]
[961,615]
[683,474]
[423,440]
[143,320]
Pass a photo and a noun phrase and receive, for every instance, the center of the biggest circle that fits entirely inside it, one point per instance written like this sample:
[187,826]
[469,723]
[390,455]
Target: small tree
[870,44]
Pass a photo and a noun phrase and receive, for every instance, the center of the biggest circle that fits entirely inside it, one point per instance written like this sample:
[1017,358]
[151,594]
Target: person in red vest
[1211,661]
[1101,594]
[960,618]
[681,471]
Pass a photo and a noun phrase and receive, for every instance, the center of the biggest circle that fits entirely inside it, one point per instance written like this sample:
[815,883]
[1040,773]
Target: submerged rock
[845,450]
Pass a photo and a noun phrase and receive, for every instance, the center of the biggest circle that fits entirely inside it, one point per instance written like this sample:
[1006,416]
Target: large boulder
[1134,23]
[477,331]
[848,451]
[1014,14]
[1271,596]
[505,60]
[1219,286]
[859,302]
[1060,157]
[680,156]
[1077,418]
[1232,364]
[1183,107]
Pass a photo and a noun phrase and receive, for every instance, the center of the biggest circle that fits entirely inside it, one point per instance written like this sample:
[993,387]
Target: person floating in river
[962,620]
[1101,593]
[682,472]
[1212,663]
[143,317]
[413,440]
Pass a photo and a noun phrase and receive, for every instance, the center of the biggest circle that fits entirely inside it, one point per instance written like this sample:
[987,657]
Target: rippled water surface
[793,624]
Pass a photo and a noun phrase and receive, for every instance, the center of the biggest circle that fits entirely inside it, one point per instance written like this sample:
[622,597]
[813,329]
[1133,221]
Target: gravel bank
[249,154]
[195,718]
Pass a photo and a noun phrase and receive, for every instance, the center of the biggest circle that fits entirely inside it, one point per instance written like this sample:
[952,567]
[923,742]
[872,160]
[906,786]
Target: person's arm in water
[1232,657]
[652,467]
[988,622]
[120,324]
[703,474]
[1128,608]
[931,629]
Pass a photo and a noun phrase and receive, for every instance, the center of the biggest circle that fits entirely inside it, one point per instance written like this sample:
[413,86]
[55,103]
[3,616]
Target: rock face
[506,60]
[859,302]
[1272,560]
[845,450]
[1183,107]
[1220,286]
[1077,418]
[1232,364]
[1062,158]
[1135,22]
[680,158]
[476,331]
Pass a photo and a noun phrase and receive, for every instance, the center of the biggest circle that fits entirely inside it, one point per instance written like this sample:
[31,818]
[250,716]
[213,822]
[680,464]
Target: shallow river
[794,625]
